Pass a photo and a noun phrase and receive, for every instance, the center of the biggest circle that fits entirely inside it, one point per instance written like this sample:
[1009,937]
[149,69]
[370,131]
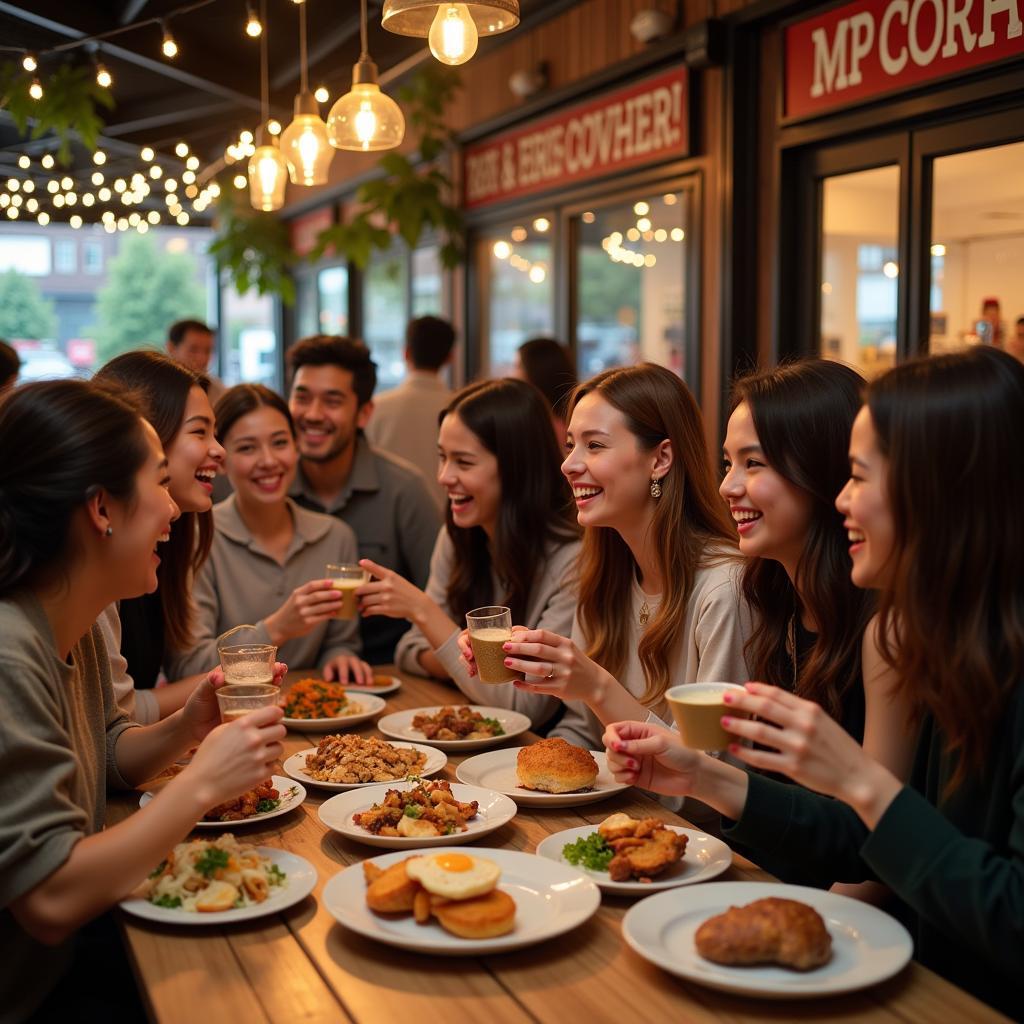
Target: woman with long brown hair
[936,474]
[509,538]
[174,400]
[659,600]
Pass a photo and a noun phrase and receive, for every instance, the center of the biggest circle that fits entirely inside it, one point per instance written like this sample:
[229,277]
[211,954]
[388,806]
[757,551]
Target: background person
[547,366]
[191,343]
[266,547]
[10,364]
[383,499]
[404,420]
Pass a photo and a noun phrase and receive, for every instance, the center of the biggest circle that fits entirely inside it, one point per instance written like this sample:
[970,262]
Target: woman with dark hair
[935,468]
[149,629]
[509,538]
[545,364]
[84,504]
[659,601]
[264,546]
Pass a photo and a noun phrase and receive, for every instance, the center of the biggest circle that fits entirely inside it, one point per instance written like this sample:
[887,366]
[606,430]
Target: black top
[142,638]
[853,713]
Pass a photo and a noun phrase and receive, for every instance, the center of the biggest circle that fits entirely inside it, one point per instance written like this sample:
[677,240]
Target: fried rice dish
[351,760]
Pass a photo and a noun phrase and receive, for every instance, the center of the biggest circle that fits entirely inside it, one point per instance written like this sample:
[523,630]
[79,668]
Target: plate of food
[637,856]
[454,902]
[277,795]
[380,685]
[221,881]
[416,814]
[455,727]
[348,762]
[318,705]
[549,773]
[768,939]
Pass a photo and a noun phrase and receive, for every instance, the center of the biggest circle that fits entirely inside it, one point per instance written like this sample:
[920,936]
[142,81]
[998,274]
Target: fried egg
[456,876]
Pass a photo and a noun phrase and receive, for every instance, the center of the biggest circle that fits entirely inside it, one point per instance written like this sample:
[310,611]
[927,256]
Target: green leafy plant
[412,194]
[255,249]
[68,107]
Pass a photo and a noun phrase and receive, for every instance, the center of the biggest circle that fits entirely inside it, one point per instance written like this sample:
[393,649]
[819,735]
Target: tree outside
[24,313]
[147,289]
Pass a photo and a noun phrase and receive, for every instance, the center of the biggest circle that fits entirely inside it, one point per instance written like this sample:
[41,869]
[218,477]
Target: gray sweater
[241,583]
[58,733]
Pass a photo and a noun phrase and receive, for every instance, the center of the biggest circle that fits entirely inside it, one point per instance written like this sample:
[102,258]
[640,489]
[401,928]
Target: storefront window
[385,313]
[977,250]
[307,312]
[249,338]
[859,268]
[515,262]
[631,276]
[427,289]
[332,292]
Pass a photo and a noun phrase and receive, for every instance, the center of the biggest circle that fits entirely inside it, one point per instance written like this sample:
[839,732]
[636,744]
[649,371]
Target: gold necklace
[645,613]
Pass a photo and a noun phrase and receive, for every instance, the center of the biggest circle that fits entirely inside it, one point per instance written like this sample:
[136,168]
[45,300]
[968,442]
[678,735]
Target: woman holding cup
[935,465]
[83,504]
[272,562]
[509,540]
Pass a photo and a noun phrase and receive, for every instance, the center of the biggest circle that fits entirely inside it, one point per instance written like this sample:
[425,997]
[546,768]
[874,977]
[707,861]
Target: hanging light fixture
[268,171]
[451,29]
[168,45]
[304,142]
[365,119]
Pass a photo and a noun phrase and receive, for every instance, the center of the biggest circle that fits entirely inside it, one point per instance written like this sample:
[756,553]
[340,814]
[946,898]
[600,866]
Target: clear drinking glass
[248,666]
[489,629]
[347,579]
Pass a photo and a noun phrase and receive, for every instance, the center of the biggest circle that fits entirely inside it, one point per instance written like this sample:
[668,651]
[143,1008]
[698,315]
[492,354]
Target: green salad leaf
[592,851]
[171,902]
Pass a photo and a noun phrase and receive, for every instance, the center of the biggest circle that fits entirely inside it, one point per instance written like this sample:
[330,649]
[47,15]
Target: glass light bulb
[268,176]
[306,147]
[453,37]
[365,119]
[104,79]
[366,123]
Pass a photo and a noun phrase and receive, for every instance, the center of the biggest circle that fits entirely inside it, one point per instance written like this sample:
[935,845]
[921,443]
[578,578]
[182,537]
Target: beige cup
[347,579]
[698,709]
[490,629]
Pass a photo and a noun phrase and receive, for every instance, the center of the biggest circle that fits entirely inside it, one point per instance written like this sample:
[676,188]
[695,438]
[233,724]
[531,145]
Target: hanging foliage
[68,107]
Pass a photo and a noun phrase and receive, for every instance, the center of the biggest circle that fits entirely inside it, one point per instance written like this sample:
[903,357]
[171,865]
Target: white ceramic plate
[868,945]
[399,725]
[497,770]
[295,767]
[301,880]
[292,794]
[494,810]
[394,683]
[369,705]
[550,899]
[705,858]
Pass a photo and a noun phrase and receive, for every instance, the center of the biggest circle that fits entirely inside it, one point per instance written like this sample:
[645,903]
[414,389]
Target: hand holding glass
[347,579]
[490,628]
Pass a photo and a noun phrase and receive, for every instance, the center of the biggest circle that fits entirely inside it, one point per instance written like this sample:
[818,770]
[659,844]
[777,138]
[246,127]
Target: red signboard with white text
[629,127]
[861,50]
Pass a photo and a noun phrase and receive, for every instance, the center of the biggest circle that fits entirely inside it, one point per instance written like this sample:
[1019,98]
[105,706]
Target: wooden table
[301,966]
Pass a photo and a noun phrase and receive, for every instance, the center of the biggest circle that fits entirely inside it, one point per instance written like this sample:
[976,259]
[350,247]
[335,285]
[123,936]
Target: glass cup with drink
[347,579]
[248,666]
[698,709]
[490,628]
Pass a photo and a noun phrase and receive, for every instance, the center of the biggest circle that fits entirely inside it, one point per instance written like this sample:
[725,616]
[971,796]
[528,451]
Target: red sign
[635,125]
[304,230]
[865,49]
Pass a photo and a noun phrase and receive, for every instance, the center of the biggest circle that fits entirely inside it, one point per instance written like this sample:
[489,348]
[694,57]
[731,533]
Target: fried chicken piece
[770,930]
[393,891]
[645,857]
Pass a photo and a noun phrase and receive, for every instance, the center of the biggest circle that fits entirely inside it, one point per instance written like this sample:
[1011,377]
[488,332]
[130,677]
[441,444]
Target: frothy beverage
[349,602]
[698,709]
[236,700]
[258,674]
[488,651]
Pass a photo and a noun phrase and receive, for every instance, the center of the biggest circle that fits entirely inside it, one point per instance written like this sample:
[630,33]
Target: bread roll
[555,766]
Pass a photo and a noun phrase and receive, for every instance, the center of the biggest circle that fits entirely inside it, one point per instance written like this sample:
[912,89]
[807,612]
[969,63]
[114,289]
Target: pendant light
[365,119]
[451,29]
[304,142]
[268,171]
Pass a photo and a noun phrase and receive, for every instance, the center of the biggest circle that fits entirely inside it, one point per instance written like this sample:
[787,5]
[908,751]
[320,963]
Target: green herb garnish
[592,851]
[275,875]
[413,811]
[171,902]
[212,860]
[158,870]
[495,725]
[264,806]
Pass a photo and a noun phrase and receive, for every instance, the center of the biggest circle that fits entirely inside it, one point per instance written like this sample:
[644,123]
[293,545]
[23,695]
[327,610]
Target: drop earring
[655,488]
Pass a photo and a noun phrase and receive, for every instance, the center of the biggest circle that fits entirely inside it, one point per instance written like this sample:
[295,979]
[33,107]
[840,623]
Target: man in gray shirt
[382,498]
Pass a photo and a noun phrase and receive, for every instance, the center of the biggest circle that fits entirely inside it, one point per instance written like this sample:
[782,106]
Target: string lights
[168,46]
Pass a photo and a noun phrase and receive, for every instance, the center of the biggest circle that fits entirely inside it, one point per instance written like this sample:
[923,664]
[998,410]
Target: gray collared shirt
[386,503]
[241,583]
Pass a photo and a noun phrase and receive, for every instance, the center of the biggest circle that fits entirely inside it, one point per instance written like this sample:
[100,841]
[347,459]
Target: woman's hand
[554,665]
[810,747]
[390,594]
[466,653]
[651,757]
[307,607]
[238,755]
[201,713]
[348,668]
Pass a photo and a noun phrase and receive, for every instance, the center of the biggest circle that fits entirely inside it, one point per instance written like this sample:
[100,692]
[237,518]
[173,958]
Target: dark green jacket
[956,864]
